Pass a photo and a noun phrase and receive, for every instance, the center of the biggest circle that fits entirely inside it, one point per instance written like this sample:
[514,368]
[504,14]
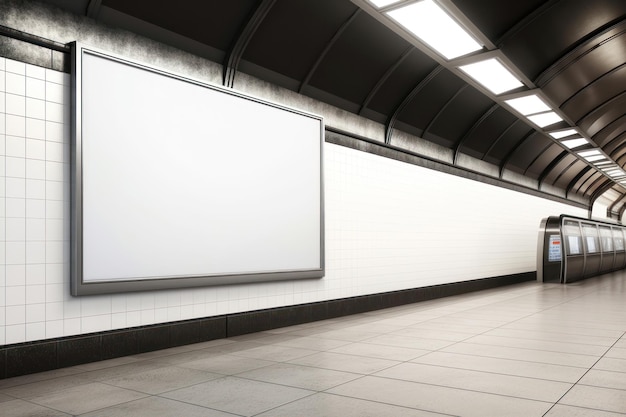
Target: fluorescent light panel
[492,75]
[594,158]
[590,153]
[429,22]
[563,133]
[382,3]
[545,119]
[528,104]
[574,143]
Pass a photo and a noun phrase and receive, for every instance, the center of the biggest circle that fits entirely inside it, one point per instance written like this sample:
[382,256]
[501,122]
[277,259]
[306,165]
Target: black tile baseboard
[39,356]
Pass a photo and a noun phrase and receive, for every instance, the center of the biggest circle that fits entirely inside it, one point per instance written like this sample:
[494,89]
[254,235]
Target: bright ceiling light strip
[382,3]
[528,104]
[574,143]
[430,23]
[589,153]
[563,133]
[492,75]
[545,119]
[594,158]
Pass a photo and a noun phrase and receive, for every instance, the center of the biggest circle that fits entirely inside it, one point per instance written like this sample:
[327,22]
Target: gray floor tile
[42,376]
[514,386]
[5,398]
[440,399]
[569,411]
[21,408]
[616,353]
[327,405]
[611,364]
[35,389]
[504,366]
[85,398]
[409,342]
[346,363]
[604,379]
[381,352]
[275,353]
[314,343]
[562,347]
[348,335]
[523,354]
[161,380]
[434,334]
[299,376]
[553,337]
[156,407]
[605,399]
[237,395]
[226,364]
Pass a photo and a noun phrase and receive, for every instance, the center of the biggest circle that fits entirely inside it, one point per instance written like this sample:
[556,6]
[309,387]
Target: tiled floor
[524,350]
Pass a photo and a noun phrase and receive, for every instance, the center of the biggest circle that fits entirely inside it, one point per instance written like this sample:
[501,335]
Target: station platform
[527,349]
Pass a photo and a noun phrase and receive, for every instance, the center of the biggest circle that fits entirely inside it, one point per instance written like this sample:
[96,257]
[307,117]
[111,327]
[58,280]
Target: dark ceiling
[336,52]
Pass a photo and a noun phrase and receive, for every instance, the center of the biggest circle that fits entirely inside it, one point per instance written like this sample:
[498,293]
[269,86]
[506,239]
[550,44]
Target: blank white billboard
[177,183]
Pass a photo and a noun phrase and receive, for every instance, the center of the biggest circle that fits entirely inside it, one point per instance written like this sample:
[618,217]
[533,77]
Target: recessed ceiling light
[429,22]
[528,104]
[563,133]
[492,75]
[545,119]
[590,153]
[574,143]
[382,3]
[594,158]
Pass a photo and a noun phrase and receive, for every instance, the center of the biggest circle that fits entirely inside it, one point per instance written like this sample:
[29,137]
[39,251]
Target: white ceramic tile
[35,189]
[15,314]
[35,229]
[15,187]
[35,168]
[2,102]
[35,252]
[35,72]
[54,152]
[55,171]
[15,125]
[35,312]
[54,311]
[55,190]
[55,132]
[35,88]
[15,229]
[36,209]
[35,331]
[55,92]
[54,272]
[54,112]
[15,104]
[54,293]
[15,66]
[56,77]
[54,329]
[16,296]
[16,274]
[35,274]
[15,146]
[15,207]
[15,167]
[2,80]
[15,253]
[15,84]
[15,333]
[36,109]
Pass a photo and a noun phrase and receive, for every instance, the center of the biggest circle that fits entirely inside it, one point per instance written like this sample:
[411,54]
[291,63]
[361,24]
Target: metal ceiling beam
[231,63]
[391,121]
[577,178]
[606,74]
[384,78]
[606,186]
[329,45]
[537,157]
[527,20]
[513,151]
[485,116]
[93,8]
[558,177]
[442,109]
[551,166]
[499,138]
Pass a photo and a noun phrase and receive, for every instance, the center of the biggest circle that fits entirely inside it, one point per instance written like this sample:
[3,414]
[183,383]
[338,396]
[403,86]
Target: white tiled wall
[389,226]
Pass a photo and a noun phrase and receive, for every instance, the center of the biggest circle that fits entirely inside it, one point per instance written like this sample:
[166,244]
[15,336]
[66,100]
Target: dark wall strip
[26,358]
